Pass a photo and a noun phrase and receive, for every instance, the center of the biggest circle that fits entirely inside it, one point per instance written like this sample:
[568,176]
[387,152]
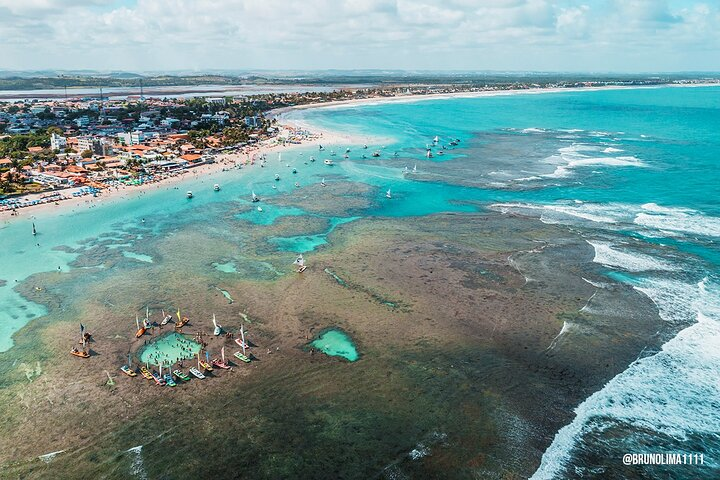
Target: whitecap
[609,255]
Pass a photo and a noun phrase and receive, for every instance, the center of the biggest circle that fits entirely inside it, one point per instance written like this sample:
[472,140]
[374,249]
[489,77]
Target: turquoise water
[169,349]
[614,165]
[336,343]
[308,243]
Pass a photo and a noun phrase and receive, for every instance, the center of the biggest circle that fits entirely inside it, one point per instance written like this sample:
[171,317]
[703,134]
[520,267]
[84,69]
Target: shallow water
[169,349]
[336,343]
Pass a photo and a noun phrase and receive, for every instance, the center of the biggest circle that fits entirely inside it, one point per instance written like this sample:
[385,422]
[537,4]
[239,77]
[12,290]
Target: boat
[327,161]
[146,373]
[297,184]
[376,153]
[218,329]
[140,330]
[80,353]
[158,379]
[181,375]
[365,147]
[255,198]
[241,357]
[169,380]
[243,344]
[428,154]
[300,262]
[277,177]
[274,187]
[128,371]
[206,365]
[346,156]
[84,336]
[436,140]
[294,170]
[197,373]
[332,153]
[259,209]
[388,194]
[312,159]
[166,318]
[181,321]
[216,187]
[189,194]
[221,363]
[406,170]
[34,231]
[323,182]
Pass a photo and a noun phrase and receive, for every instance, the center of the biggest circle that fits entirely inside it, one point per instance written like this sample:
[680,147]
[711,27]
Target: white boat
[332,153]
[297,184]
[216,187]
[197,373]
[406,170]
[300,262]
[241,341]
[347,150]
[323,182]
[166,318]
[274,187]
[312,159]
[189,194]
[255,198]
[259,209]
[415,168]
[436,140]
[327,161]
[34,231]
[277,177]
[388,194]
[346,156]
[218,328]
[429,153]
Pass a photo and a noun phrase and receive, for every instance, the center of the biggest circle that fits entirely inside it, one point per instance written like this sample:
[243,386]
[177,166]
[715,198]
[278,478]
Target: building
[58,142]
[95,145]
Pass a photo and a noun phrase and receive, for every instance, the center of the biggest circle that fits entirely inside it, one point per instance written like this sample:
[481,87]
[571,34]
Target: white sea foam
[674,392]
[609,255]
[656,220]
[577,155]
[138,467]
[533,130]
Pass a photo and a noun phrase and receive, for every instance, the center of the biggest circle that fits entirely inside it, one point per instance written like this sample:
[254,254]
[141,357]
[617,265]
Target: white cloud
[471,34]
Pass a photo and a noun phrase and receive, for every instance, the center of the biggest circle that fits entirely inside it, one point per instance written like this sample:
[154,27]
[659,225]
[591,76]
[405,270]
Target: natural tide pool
[169,349]
[336,343]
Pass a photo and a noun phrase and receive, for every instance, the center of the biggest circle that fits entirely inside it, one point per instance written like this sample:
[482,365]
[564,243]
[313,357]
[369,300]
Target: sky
[504,35]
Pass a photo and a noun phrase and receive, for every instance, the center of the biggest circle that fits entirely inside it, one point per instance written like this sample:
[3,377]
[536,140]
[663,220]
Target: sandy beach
[222,162]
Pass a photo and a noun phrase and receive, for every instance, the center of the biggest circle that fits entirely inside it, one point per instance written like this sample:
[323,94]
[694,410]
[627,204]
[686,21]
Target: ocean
[631,174]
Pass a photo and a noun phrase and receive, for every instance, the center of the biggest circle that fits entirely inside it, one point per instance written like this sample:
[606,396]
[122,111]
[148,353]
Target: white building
[58,142]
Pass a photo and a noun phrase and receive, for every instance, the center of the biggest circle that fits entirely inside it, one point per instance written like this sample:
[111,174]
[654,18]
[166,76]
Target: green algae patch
[336,343]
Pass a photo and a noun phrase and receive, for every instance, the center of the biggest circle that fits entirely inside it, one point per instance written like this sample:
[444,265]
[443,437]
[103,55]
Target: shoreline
[245,158]
[282,111]
[315,136]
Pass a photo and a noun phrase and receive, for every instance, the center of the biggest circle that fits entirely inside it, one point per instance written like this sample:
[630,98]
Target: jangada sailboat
[255,198]
[80,353]
[166,318]
[140,330]
[205,364]
[388,194]
[181,321]
[300,262]
[242,356]
[221,363]
[218,328]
